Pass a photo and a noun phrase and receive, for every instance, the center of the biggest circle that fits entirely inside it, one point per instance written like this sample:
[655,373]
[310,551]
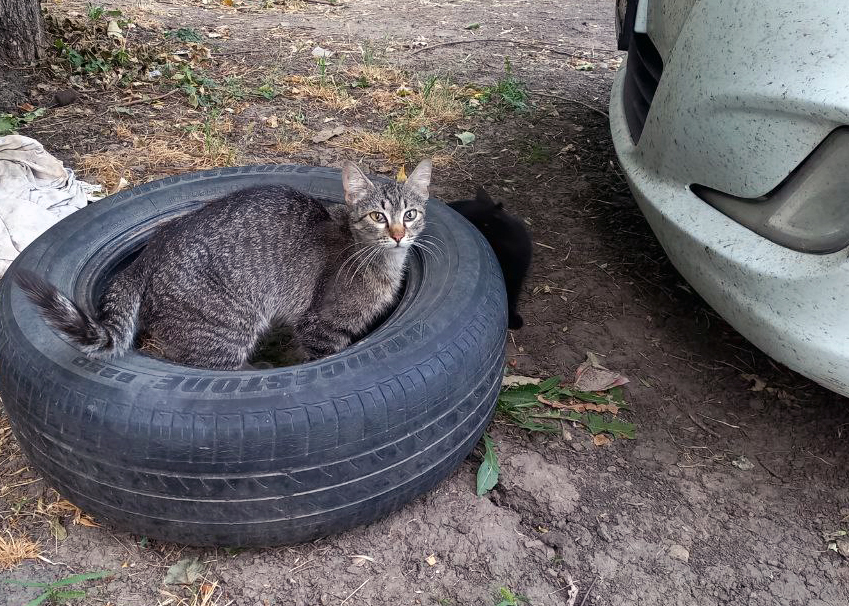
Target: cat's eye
[410,215]
[377,217]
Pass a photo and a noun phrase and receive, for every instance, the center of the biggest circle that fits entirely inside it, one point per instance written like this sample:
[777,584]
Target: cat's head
[481,208]
[389,215]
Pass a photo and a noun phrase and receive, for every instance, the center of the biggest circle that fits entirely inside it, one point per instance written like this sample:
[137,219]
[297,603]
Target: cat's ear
[419,179]
[356,185]
[484,198]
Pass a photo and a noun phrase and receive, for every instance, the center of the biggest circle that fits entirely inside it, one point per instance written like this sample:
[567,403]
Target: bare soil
[663,519]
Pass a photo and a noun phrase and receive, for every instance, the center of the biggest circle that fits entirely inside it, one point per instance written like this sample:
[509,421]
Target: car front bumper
[789,304]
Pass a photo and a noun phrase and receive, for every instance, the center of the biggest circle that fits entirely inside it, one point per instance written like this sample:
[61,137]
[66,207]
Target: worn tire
[257,457]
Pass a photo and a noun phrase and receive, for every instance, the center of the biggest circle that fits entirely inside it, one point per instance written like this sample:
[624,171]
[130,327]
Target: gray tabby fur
[210,284]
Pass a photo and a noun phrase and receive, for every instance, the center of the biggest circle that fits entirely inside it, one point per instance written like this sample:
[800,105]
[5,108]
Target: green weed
[509,93]
[56,591]
[9,123]
[184,34]
[507,598]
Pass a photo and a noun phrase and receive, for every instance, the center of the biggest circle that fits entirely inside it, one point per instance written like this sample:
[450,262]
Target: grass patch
[58,592]
[326,94]
[535,153]
[202,145]
[16,549]
[509,94]
[538,407]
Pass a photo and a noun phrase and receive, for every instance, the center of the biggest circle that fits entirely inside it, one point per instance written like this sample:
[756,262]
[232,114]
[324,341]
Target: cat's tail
[111,334]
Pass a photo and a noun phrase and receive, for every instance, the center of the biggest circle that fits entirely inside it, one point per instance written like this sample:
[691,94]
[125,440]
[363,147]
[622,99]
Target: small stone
[65,97]
[576,446]
[679,552]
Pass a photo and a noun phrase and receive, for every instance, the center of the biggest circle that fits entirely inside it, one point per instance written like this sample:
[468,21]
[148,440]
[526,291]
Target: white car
[731,123]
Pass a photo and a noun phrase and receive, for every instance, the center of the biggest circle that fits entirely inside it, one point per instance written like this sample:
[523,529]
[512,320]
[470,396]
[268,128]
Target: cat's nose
[397,232]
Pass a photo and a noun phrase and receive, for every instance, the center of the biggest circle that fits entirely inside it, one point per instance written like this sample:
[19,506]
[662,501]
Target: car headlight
[809,211]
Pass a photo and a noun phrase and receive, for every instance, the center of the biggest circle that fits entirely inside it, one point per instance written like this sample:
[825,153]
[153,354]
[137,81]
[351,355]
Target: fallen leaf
[601,440]
[227,2]
[57,530]
[431,560]
[319,52]
[27,107]
[465,137]
[84,520]
[759,384]
[585,406]
[592,376]
[472,26]
[488,471]
[271,121]
[401,177]
[360,560]
[515,380]
[327,133]
[403,91]
[184,572]
[113,29]
[743,463]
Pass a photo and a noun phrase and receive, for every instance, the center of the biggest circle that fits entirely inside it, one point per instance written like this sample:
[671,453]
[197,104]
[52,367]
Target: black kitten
[509,240]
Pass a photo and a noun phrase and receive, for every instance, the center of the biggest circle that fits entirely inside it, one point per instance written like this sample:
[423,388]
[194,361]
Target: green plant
[199,89]
[509,92]
[321,65]
[9,123]
[184,34]
[536,153]
[531,407]
[55,592]
[267,91]
[508,598]
[94,12]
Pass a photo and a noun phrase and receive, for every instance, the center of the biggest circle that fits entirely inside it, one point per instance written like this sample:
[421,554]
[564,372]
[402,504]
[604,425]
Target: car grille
[642,74]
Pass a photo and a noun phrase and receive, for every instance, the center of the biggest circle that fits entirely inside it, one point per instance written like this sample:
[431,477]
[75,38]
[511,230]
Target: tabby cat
[211,283]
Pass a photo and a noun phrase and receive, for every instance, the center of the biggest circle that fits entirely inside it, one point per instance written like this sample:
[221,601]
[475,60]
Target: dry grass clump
[201,145]
[377,75]
[292,137]
[16,549]
[324,92]
[436,103]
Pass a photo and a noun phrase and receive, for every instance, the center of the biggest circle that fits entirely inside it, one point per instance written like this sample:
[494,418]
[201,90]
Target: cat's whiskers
[374,251]
[352,258]
[422,246]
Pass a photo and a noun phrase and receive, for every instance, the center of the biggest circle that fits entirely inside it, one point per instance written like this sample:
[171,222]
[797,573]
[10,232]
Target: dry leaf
[327,133]
[601,440]
[592,376]
[516,380]
[401,177]
[431,560]
[84,520]
[271,121]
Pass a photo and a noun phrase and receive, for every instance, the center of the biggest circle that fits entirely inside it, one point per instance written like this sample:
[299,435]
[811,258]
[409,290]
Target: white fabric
[36,191]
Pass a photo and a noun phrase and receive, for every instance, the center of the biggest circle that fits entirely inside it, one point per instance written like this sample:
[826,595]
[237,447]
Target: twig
[501,40]
[718,421]
[149,99]
[770,472]
[353,592]
[586,595]
[575,101]
[695,420]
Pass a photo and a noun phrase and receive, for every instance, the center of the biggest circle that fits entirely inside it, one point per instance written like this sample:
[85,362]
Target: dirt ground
[662,519]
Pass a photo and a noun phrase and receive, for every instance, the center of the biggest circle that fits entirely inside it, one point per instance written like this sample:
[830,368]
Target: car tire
[262,457]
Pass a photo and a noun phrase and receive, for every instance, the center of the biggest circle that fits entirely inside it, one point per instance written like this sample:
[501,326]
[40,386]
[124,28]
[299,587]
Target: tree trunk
[22,37]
